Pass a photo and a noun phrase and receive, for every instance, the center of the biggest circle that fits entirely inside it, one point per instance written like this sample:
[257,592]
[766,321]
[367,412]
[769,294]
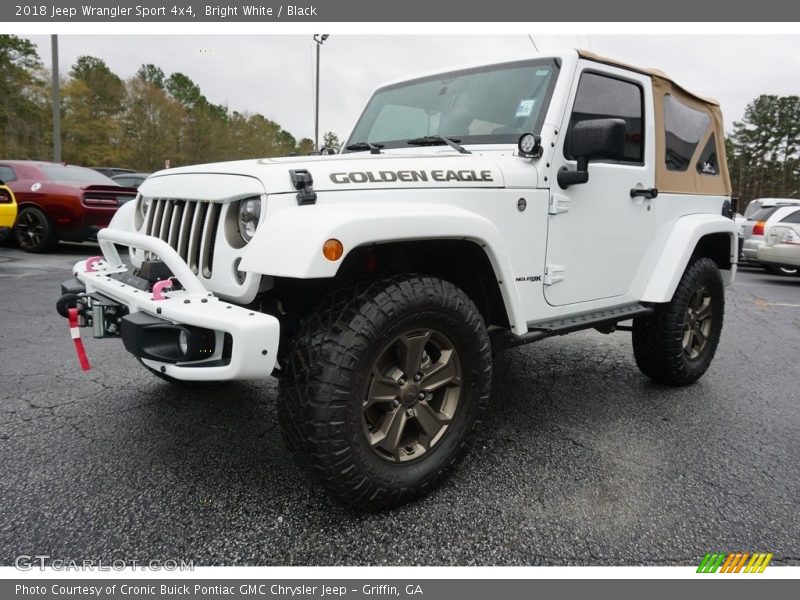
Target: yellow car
[8,211]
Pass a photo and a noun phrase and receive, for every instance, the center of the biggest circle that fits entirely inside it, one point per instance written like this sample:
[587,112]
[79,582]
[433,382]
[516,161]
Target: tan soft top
[689,181]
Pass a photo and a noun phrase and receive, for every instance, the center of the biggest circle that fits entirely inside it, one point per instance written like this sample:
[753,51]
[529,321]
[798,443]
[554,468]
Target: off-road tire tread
[657,339]
[319,369]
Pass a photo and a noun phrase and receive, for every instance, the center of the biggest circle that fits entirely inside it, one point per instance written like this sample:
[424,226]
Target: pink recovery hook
[91,262]
[159,287]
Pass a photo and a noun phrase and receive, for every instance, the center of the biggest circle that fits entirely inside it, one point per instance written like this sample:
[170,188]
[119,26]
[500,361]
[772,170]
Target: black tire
[34,231]
[330,372]
[660,340]
[784,271]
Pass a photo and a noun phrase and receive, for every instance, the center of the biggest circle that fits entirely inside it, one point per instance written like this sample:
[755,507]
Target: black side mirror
[593,139]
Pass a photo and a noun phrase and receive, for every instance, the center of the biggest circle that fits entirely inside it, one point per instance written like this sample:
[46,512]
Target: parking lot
[582,461]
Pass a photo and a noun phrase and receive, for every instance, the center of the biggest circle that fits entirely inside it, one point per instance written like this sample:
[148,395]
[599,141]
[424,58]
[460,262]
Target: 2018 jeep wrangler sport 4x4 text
[469,210]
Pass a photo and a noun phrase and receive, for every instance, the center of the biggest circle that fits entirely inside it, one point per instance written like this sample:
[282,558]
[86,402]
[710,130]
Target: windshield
[69,174]
[489,105]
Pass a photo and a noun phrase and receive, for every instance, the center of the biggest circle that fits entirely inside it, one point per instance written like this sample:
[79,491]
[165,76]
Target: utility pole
[56,99]
[319,39]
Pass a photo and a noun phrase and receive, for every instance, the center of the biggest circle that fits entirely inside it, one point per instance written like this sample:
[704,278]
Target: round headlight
[183,342]
[144,206]
[249,214]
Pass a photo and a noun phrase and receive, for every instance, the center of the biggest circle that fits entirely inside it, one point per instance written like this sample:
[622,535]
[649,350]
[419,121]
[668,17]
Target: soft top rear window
[684,128]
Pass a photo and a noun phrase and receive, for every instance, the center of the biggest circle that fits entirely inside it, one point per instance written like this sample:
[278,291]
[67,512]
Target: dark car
[60,202]
[111,171]
[133,180]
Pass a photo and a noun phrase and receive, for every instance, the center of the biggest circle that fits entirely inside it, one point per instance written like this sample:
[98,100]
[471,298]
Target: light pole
[319,39]
[56,101]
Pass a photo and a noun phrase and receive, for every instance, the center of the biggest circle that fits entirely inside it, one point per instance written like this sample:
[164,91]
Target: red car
[60,202]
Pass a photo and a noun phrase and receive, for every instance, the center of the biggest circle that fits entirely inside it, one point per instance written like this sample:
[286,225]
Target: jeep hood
[239,179]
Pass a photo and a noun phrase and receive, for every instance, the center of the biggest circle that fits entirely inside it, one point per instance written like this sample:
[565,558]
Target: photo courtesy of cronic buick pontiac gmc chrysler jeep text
[469,211]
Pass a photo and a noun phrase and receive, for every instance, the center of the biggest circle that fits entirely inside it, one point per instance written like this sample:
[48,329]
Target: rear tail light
[99,201]
[758,228]
[791,237]
[5,197]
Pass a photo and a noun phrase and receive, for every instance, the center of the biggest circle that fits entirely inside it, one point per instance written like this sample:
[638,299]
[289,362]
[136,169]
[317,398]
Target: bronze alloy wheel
[31,230]
[386,387]
[697,324]
[412,396]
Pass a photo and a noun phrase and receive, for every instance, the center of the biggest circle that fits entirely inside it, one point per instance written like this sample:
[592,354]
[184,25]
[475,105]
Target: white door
[598,237]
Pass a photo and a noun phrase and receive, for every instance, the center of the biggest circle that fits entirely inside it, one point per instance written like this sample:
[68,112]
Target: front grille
[190,227]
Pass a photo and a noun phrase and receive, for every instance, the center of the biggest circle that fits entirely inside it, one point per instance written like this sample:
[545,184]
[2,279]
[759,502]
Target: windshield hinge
[554,274]
[304,184]
[559,203]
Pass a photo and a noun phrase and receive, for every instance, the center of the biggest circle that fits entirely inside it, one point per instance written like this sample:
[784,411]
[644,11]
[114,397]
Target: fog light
[183,342]
[332,249]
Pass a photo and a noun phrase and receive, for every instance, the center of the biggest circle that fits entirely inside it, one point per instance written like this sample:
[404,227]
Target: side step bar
[563,325]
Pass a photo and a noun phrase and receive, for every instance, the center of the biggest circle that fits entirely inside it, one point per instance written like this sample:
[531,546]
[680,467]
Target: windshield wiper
[438,140]
[364,146]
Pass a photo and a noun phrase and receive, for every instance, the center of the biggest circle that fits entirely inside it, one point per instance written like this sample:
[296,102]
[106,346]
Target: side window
[792,218]
[684,128]
[707,163]
[7,174]
[605,97]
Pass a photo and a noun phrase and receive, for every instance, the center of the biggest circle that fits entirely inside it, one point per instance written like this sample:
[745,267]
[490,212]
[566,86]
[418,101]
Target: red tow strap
[75,332]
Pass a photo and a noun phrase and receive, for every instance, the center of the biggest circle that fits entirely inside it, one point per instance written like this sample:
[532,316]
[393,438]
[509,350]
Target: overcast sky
[273,75]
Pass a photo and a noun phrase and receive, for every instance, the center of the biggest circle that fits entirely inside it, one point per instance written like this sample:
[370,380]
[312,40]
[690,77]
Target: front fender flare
[289,242]
[681,242]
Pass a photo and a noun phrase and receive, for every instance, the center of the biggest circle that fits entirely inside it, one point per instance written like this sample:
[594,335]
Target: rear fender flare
[675,254]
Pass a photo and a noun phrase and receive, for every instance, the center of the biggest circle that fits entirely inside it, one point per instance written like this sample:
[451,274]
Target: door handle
[648,193]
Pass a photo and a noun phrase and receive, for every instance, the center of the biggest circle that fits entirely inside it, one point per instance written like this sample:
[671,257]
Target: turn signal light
[758,228]
[332,249]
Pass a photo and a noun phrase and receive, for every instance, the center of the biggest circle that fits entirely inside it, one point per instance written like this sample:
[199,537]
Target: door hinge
[559,203]
[554,274]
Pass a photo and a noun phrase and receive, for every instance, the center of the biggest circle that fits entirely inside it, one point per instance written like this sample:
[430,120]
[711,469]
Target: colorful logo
[735,562]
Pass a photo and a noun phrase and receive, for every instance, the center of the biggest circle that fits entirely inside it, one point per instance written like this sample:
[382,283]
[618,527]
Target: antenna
[535,47]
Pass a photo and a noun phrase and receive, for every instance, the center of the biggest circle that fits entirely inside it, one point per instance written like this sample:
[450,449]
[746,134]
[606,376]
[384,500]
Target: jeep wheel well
[717,247]
[463,263]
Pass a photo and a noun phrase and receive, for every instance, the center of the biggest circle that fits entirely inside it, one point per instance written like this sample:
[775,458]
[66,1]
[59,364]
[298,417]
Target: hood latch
[304,184]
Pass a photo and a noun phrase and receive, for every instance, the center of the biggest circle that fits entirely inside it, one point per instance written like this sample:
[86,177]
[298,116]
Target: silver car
[754,229]
[782,247]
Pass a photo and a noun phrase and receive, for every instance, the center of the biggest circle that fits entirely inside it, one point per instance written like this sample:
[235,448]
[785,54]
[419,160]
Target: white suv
[471,210]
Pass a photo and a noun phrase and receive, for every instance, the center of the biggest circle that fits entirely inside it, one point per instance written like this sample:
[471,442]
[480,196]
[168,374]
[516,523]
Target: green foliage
[92,110]
[764,149]
[24,107]
[152,74]
[331,140]
[142,123]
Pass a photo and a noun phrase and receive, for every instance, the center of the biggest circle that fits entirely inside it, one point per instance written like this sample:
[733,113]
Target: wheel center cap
[410,394]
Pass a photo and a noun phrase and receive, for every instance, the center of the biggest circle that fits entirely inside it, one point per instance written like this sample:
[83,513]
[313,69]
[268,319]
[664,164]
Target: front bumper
[254,336]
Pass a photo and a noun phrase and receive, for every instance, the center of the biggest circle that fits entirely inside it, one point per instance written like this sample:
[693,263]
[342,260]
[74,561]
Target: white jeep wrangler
[469,210]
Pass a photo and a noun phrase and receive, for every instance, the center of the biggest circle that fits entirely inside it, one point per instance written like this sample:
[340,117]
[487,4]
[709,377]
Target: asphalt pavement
[582,461]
